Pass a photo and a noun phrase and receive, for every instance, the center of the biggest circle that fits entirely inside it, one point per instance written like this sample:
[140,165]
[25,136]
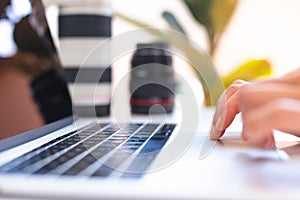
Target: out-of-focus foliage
[248,71]
[214,15]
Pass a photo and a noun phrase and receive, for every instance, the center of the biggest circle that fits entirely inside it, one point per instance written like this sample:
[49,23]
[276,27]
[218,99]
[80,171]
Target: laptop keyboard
[98,150]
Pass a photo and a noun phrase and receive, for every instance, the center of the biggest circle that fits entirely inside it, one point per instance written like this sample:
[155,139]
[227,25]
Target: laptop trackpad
[233,142]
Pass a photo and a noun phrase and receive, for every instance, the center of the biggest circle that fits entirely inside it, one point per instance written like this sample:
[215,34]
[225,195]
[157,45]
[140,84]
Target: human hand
[265,106]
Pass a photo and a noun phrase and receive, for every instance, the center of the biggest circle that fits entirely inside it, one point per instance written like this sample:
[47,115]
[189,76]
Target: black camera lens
[152,79]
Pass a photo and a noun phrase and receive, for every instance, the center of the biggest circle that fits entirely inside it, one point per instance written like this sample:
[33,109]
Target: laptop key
[62,159]
[148,153]
[81,165]
[104,171]
[89,159]
[112,163]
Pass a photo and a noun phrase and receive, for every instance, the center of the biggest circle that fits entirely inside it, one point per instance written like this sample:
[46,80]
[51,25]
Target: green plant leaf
[220,13]
[200,10]
[173,22]
[249,70]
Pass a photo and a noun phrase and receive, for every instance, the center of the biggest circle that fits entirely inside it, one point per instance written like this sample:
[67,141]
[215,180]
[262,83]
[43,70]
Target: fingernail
[216,130]
[218,125]
[269,144]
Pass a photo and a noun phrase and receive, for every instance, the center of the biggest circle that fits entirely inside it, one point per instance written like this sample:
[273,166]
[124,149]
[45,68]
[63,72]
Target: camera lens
[152,79]
[83,25]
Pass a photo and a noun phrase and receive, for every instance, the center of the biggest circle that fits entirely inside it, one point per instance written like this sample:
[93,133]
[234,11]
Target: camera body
[152,79]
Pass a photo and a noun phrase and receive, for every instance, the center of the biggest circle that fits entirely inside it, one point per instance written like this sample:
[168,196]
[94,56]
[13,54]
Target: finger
[232,89]
[260,139]
[259,93]
[226,117]
[293,77]
[280,114]
[256,97]
[257,137]
[226,109]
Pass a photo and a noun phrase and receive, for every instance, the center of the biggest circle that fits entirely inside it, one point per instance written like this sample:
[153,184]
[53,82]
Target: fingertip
[269,144]
[259,140]
[215,129]
[219,124]
[215,134]
[245,136]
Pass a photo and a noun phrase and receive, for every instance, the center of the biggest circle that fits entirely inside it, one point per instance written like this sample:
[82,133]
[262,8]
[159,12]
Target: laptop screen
[33,92]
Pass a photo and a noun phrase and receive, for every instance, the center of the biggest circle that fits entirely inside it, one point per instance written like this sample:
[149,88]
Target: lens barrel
[83,25]
[152,79]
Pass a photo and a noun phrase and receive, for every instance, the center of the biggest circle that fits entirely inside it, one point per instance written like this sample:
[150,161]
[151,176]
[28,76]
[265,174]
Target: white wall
[264,28]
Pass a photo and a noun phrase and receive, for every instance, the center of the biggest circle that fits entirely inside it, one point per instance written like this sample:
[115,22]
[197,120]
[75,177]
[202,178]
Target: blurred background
[245,39]
[258,29]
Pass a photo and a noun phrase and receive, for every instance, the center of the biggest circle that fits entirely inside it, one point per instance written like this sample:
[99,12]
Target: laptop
[46,152]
